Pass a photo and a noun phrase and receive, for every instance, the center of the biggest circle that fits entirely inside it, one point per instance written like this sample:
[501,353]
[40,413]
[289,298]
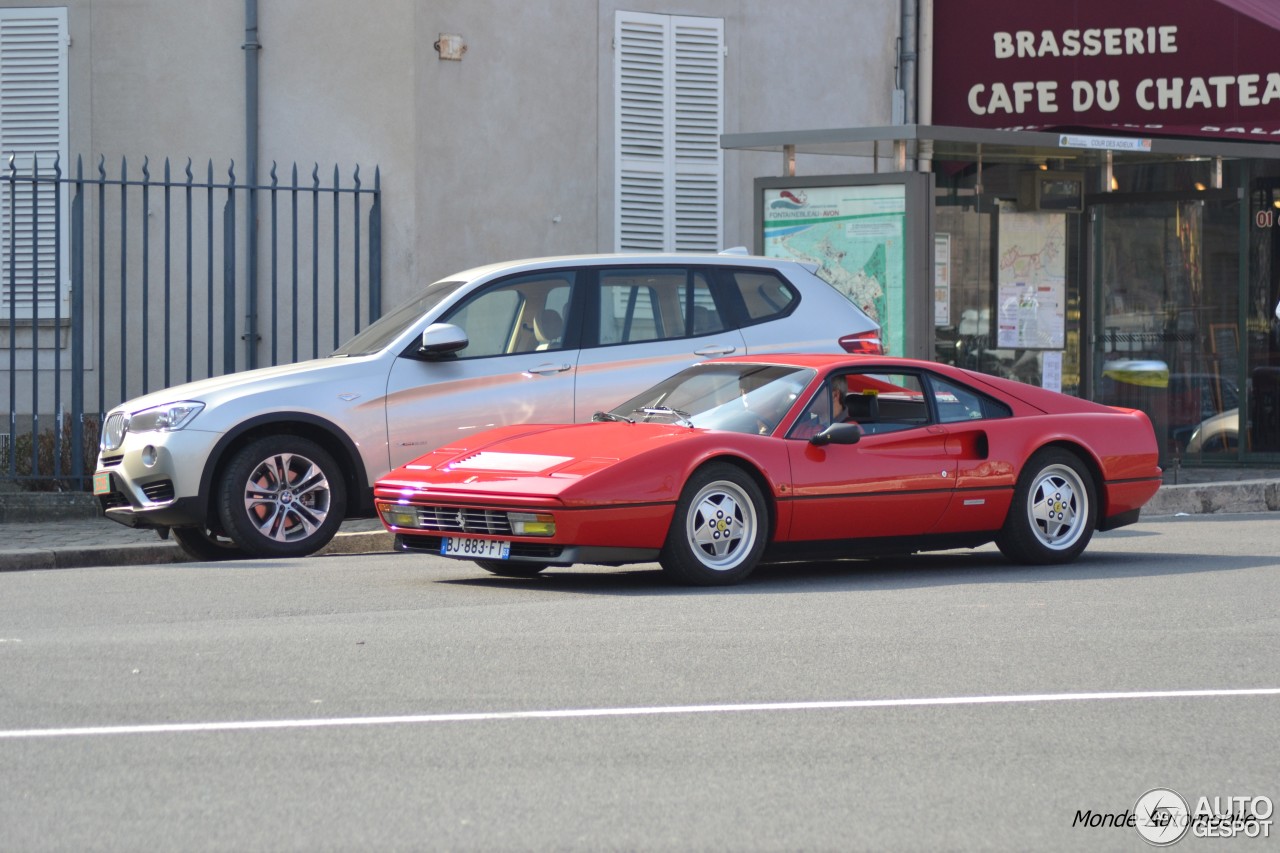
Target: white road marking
[487,716]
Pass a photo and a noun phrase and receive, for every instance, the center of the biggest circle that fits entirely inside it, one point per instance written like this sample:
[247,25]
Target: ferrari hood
[533,460]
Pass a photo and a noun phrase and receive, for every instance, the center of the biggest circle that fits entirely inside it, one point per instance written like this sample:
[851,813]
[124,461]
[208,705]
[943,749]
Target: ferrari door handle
[548,369]
[714,349]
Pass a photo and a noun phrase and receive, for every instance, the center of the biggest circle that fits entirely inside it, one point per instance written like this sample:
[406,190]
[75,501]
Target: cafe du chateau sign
[1193,67]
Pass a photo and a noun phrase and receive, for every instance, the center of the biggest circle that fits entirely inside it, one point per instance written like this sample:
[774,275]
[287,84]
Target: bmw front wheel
[720,528]
[282,496]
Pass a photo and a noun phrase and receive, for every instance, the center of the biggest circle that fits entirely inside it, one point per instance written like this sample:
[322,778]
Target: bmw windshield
[375,337]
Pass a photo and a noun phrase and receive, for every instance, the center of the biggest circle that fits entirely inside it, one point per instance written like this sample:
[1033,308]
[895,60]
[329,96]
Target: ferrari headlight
[399,515]
[166,418]
[532,524]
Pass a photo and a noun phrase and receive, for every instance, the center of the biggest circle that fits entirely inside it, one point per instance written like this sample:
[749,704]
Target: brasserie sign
[1198,67]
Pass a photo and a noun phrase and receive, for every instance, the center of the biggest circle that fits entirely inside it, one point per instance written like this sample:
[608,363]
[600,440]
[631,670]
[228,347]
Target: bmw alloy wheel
[283,496]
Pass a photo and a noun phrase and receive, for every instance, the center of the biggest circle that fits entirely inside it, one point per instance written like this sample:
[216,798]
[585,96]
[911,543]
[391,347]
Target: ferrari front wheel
[720,528]
[1054,510]
[511,570]
[206,546]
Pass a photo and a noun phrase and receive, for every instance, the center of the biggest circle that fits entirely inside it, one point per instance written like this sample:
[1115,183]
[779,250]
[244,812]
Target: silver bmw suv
[270,462]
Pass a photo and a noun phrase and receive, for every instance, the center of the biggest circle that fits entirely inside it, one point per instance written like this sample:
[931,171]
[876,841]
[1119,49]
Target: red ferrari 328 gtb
[739,460]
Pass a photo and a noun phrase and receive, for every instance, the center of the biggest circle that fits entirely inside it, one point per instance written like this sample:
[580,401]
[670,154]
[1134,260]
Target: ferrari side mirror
[838,434]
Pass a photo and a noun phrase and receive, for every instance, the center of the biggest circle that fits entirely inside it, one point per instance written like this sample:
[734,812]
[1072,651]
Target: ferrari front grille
[449,519]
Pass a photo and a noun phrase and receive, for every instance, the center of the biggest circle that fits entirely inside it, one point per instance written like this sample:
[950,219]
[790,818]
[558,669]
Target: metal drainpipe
[924,97]
[907,61]
[251,47]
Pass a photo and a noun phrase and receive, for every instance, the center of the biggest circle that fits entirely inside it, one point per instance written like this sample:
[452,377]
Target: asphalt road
[398,702]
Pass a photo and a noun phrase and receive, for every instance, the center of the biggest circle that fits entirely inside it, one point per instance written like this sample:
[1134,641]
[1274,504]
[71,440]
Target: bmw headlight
[166,418]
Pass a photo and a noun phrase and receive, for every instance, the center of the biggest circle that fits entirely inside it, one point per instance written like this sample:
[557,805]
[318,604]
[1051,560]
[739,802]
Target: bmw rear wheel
[720,528]
[1054,510]
[282,496]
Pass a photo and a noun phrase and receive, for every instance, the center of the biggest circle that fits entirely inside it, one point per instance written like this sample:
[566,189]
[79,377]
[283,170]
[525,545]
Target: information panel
[856,236]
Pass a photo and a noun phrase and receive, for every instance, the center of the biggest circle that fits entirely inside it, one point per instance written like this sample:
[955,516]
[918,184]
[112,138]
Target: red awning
[1208,68]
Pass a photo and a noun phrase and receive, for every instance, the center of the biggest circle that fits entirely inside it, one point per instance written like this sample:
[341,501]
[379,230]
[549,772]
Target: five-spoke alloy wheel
[720,528]
[1054,510]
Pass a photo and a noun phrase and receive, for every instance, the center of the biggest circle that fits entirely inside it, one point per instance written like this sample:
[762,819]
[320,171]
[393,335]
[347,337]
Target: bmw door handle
[714,349]
[549,369]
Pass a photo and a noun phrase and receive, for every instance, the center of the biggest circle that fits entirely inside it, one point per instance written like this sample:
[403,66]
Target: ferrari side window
[882,402]
[956,403]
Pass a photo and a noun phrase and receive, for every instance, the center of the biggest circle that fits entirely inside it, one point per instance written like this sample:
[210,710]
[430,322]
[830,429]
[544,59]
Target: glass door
[1165,325]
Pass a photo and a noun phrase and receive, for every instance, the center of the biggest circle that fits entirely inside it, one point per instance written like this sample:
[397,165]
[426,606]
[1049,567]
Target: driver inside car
[826,409]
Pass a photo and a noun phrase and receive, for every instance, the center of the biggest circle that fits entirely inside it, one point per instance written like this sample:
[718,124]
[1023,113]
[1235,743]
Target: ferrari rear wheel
[719,530]
[511,570]
[1054,510]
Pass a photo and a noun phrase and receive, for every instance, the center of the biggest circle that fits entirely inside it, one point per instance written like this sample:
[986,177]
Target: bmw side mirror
[838,434]
[441,340]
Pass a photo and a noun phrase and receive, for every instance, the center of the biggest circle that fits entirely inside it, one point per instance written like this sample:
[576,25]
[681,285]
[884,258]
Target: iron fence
[115,286]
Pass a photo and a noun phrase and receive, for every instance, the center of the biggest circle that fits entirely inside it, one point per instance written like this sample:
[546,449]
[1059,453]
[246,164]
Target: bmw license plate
[466,546]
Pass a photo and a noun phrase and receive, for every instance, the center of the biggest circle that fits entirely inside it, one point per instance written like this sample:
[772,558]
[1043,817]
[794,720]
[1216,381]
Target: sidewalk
[83,538]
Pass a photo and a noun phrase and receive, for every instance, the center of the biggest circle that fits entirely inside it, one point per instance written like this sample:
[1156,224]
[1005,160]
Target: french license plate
[102,483]
[466,546]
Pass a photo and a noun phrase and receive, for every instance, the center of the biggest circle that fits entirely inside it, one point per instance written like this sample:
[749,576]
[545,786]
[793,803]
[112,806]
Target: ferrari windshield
[740,397]
[381,332]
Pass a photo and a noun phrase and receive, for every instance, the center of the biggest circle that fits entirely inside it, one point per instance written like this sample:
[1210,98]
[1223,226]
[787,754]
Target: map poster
[1031,283]
[856,236]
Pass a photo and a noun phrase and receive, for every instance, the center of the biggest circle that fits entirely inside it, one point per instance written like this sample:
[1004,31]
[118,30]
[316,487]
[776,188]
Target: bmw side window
[521,316]
[956,404]
[763,294]
[649,304]
[698,307]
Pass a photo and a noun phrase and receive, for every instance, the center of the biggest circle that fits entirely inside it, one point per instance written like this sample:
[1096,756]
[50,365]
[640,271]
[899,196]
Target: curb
[1209,498]
[27,559]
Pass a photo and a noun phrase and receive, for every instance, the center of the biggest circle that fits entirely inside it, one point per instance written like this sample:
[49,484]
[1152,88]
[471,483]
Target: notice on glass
[942,280]
[1031,283]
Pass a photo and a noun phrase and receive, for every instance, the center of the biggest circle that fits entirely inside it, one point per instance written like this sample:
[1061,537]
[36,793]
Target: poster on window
[1031,280]
[857,237]
[942,280]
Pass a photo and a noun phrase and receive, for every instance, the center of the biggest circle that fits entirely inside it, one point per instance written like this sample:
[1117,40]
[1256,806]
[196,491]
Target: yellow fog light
[532,524]
[399,516]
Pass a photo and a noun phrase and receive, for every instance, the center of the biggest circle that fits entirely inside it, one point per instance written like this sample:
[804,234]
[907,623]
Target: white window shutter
[33,132]
[669,74]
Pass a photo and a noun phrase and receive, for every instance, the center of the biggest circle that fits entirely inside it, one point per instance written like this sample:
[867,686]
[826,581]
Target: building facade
[1082,196]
